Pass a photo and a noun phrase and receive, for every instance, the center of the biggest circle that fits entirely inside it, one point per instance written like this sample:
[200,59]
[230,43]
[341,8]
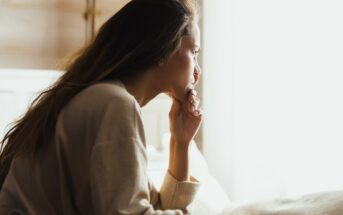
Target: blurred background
[271,86]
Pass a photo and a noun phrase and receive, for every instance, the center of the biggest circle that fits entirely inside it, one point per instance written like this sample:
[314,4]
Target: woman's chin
[181,95]
[184,94]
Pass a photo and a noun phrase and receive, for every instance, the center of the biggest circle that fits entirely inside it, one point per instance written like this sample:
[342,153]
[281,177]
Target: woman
[80,148]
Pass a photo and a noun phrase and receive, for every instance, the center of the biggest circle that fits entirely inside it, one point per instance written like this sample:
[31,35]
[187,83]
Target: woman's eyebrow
[196,46]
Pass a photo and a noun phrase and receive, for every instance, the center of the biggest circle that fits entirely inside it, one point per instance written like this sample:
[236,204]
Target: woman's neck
[141,87]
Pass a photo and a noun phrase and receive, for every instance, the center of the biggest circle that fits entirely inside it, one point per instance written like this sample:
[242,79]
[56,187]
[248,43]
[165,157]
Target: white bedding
[212,200]
[324,203]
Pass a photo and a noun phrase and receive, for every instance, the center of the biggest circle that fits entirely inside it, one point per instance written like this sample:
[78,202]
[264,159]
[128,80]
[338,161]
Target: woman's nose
[197,73]
[198,69]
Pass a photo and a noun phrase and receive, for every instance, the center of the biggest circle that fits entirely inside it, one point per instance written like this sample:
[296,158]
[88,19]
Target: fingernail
[194,92]
[198,113]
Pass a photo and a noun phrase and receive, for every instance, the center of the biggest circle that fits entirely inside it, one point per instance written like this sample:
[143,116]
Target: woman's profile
[80,148]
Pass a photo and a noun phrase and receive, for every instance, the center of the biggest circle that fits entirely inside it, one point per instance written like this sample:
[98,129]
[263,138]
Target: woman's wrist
[179,160]
[179,143]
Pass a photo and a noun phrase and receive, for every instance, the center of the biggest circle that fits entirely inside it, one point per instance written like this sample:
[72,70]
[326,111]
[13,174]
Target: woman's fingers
[193,103]
[185,117]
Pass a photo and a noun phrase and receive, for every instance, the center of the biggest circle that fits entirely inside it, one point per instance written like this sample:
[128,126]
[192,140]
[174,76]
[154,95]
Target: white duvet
[212,200]
[325,203]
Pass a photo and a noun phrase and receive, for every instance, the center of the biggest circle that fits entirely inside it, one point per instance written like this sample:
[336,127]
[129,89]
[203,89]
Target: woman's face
[181,70]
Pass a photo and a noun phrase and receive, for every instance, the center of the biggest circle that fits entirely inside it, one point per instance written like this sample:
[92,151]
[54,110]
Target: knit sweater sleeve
[118,172]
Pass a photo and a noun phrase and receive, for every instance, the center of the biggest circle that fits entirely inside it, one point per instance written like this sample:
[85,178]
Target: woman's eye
[195,53]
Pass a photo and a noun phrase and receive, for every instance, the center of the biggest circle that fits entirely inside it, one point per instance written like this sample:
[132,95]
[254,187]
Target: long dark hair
[134,39]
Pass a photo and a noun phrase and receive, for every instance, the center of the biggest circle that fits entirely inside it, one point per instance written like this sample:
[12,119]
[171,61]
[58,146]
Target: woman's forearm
[179,160]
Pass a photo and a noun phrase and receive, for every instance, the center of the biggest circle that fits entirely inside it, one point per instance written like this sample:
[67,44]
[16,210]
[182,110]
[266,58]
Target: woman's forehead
[191,40]
[194,37]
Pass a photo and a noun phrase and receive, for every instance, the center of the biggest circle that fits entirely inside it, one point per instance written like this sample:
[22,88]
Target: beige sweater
[95,164]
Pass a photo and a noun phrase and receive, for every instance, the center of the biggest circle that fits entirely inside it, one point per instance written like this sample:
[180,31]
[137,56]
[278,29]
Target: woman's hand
[185,119]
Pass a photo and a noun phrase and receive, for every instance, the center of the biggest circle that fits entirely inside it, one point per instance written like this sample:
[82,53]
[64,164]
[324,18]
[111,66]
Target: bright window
[273,96]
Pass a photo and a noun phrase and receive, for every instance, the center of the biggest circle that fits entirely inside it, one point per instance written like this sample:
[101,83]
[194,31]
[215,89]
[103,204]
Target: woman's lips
[196,77]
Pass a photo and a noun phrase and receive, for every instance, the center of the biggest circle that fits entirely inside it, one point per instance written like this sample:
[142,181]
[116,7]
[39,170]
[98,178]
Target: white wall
[18,88]
[273,96]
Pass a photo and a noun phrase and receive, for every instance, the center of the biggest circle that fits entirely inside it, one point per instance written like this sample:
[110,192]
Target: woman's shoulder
[100,96]
[104,92]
